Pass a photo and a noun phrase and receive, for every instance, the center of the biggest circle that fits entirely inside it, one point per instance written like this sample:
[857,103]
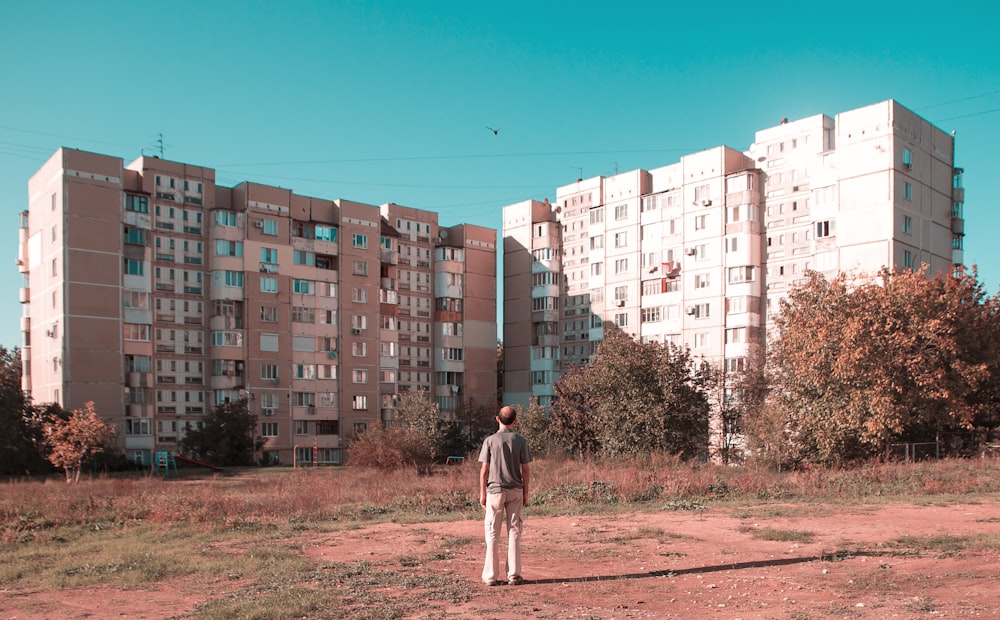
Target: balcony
[386,296]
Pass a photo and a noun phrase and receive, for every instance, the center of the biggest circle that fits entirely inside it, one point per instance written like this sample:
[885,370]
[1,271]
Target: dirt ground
[786,562]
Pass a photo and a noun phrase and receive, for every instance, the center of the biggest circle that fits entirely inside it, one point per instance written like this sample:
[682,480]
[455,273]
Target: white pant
[510,502]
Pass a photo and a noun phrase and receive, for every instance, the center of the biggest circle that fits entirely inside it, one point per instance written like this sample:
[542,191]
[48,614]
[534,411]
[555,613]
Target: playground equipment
[165,462]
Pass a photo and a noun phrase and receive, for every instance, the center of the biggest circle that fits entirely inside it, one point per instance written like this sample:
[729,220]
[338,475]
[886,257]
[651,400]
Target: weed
[770,533]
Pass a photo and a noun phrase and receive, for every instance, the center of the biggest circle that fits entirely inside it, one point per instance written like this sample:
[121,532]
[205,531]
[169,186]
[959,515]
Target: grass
[135,531]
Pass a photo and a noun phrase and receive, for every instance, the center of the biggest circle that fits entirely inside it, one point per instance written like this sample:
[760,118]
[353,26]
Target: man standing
[503,488]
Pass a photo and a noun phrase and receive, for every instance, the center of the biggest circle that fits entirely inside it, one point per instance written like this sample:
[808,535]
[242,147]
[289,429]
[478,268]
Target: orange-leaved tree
[72,441]
[861,363]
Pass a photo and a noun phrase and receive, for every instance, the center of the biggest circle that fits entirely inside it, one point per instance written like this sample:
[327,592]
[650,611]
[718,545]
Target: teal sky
[390,102]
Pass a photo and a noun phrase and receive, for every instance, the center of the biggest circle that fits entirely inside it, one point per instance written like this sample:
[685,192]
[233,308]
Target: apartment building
[159,295]
[697,253]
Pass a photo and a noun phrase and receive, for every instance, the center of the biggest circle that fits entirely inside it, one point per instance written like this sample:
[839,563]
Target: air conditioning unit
[239,365]
[795,188]
[690,310]
[691,251]
[258,224]
[310,409]
[356,331]
[267,412]
[620,303]
[436,239]
[333,355]
[653,269]
[908,166]
[706,203]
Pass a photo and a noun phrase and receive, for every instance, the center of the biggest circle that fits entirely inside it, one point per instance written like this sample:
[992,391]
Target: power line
[952,118]
[938,105]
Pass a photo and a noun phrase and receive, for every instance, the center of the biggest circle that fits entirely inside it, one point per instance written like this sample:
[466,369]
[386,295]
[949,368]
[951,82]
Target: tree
[415,412]
[22,444]
[866,362]
[227,436]
[74,440]
[631,399]
[533,422]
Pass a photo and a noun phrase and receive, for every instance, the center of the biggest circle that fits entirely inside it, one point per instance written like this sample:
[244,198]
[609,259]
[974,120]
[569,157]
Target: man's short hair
[507,415]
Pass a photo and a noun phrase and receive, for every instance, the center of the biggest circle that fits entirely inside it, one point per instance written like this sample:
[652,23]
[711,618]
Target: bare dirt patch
[800,562]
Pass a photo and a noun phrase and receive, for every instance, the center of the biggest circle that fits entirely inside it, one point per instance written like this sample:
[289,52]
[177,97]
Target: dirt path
[785,562]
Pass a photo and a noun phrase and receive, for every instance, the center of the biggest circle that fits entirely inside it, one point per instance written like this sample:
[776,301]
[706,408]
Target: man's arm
[484,477]
[525,478]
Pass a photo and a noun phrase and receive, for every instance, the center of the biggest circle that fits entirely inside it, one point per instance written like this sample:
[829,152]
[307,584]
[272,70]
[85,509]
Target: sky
[382,102]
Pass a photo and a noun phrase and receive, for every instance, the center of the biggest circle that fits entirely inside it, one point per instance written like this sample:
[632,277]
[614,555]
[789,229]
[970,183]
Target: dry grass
[331,498]
[133,530]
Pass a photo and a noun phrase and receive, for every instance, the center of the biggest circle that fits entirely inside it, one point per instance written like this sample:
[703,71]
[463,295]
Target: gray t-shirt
[505,451]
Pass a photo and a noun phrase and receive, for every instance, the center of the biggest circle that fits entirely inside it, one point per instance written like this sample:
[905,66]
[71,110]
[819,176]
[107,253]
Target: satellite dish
[443,233]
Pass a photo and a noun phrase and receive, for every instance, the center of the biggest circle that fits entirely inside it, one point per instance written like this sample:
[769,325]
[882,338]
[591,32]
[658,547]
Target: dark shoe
[515,580]
[492,583]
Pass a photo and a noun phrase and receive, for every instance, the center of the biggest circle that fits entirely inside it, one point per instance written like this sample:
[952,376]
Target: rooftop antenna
[159,143]
[579,171]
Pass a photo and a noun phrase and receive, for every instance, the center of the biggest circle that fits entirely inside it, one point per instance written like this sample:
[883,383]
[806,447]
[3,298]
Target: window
[360,295]
[269,371]
[359,403]
[228,248]
[270,227]
[359,349]
[133,331]
[651,315]
[303,287]
[302,314]
[739,184]
[452,354]
[825,229]
[225,218]
[701,193]
[597,242]
[621,319]
[326,233]
[269,255]
[596,268]
[741,274]
[269,314]
[597,215]
[907,259]
[700,222]
[303,258]
[359,241]
[268,285]
[736,305]
[621,212]
[736,335]
[137,204]
[621,239]
[268,342]
[132,267]
[360,375]
[907,190]
[621,265]
[233,278]
[701,280]
[269,429]
[907,159]
[907,225]
[137,426]
[360,268]
[304,371]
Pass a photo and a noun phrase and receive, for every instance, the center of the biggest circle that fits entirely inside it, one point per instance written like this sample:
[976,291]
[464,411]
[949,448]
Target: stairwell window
[907,225]
[825,228]
[907,190]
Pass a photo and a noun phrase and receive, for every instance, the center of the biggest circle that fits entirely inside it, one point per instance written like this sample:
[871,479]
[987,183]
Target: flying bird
[495,131]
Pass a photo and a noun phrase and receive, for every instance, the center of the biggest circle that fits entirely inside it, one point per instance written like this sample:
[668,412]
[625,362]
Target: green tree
[73,441]
[533,422]
[227,437]
[22,446]
[633,399]
[863,363]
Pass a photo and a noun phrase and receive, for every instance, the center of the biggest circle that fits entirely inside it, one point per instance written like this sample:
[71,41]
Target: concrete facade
[697,253]
[157,294]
